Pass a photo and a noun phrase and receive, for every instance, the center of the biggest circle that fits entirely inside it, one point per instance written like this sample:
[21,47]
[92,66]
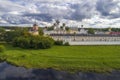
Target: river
[10,72]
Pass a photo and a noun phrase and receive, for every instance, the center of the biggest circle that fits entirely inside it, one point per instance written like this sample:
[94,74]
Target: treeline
[22,38]
[8,36]
[107,29]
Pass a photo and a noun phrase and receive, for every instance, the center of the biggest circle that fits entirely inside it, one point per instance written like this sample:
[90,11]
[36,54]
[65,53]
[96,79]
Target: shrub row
[33,42]
[60,43]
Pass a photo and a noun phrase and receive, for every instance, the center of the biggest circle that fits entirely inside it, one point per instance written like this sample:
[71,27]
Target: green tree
[10,35]
[67,29]
[2,33]
[91,31]
[41,31]
[50,28]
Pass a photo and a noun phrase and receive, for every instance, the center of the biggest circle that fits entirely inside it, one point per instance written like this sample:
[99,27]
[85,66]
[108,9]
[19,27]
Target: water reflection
[9,72]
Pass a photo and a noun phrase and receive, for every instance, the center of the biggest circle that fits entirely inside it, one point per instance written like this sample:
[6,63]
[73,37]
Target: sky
[90,13]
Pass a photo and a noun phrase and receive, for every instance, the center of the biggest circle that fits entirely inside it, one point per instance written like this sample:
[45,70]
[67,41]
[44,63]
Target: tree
[91,31]
[61,27]
[10,35]
[50,28]
[2,30]
[2,33]
[41,31]
[67,29]
[59,42]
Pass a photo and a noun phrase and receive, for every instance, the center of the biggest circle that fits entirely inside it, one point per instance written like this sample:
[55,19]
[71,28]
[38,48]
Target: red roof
[115,33]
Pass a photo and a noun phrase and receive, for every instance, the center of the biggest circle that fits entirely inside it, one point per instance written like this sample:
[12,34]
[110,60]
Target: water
[10,72]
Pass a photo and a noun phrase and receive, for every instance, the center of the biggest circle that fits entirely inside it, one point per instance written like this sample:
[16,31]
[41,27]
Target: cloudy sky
[90,13]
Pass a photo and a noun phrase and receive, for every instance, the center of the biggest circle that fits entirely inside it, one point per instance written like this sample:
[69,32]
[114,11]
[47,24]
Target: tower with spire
[35,29]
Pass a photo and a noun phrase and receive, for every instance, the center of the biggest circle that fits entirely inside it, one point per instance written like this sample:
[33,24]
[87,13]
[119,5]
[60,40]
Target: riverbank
[11,72]
[67,58]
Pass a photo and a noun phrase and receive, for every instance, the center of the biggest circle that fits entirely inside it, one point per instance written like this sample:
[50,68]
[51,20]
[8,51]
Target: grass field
[68,58]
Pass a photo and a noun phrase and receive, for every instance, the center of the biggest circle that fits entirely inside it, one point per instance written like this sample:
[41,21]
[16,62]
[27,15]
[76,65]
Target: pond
[10,72]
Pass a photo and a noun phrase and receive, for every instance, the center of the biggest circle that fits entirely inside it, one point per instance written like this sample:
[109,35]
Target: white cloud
[95,13]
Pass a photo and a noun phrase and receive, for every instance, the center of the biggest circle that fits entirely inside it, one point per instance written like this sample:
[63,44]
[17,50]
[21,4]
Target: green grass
[68,58]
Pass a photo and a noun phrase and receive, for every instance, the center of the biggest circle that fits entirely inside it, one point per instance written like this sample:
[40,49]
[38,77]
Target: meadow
[67,58]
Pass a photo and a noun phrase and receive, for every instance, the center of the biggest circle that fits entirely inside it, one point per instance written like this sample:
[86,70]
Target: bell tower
[35,27]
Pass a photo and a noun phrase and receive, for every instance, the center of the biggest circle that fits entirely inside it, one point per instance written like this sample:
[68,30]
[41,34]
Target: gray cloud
[23,11]
[15,19]
[83,10]
[41,17]
[109,8]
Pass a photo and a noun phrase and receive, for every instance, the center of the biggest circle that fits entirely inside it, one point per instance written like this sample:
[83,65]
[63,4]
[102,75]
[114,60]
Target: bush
[33,42]
[59,42]
[66,44]
[2,48]
[10,35]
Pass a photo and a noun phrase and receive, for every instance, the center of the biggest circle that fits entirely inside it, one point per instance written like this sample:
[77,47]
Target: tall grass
[69,58]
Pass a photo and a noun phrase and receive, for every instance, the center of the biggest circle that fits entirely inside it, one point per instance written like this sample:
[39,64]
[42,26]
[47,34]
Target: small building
[34,30]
